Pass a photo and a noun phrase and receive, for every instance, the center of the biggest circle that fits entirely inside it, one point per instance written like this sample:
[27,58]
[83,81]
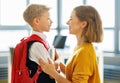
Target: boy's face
[44,22]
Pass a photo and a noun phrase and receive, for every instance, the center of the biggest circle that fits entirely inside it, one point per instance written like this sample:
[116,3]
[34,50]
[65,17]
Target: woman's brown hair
[93,32]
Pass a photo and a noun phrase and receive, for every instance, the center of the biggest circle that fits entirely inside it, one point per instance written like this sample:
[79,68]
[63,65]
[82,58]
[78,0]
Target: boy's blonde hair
[93,32]
[33,11]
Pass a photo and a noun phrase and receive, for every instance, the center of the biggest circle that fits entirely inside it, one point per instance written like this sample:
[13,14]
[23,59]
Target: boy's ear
[36,21]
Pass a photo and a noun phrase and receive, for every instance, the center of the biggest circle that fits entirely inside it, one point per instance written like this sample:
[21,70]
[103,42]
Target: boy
[38,18]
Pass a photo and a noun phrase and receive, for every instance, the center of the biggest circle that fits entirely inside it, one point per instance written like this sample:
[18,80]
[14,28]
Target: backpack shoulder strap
[37,38]
[29,39]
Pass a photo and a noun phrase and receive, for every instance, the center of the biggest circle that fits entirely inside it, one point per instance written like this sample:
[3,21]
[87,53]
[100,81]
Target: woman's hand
[48,68]
[56,60]
[56,55]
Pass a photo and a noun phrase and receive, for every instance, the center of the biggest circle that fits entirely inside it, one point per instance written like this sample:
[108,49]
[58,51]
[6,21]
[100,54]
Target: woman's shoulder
[85,50]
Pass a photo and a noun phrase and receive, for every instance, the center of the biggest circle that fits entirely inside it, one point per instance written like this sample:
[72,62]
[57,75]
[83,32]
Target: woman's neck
[80,40]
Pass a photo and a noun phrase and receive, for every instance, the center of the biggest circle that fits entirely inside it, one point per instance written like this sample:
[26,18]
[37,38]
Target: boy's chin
[47,31]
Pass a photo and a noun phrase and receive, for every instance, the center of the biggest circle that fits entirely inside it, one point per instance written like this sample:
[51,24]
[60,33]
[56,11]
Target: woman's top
[83,66]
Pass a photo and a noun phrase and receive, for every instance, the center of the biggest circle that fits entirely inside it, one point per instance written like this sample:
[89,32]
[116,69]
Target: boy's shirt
[38,50]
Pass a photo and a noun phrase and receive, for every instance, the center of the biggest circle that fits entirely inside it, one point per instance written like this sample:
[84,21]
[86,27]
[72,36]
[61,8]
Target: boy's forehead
[46,13]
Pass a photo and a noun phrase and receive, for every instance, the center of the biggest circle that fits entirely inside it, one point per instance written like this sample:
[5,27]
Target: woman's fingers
[44,64]
[41,62]
[50,61]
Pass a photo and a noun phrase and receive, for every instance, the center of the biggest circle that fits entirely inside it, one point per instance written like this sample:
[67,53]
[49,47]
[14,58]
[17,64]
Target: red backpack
[20,72]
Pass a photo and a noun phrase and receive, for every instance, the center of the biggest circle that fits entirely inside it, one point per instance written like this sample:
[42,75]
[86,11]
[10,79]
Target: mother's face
[75,25]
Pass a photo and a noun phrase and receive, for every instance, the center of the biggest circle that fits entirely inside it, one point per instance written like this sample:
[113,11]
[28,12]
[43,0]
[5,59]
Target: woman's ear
[84,24]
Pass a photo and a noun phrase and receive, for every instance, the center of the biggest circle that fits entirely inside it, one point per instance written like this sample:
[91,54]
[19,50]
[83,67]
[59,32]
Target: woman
[86,25]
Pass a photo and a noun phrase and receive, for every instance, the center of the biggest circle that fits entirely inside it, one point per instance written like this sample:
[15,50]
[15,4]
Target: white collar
[43,36]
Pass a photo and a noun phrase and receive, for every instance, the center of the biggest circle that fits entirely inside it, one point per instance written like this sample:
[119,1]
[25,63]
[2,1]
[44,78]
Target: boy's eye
[70,19]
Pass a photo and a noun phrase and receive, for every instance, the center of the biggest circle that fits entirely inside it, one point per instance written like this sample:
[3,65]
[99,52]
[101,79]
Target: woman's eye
[48,18]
